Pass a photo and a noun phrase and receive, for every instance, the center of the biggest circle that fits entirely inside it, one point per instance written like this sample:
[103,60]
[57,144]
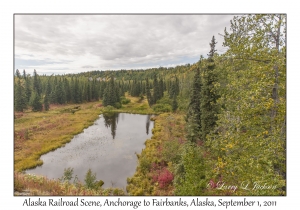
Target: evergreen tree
[68,91]
[194,113]
[27,87]
[209,97]
[19,98]
[77,92]
[46,103]
[111,94]
[161,88]
[174,103]
[35,102]
[60,93]
[156,92]
[36,83]
[149,96]
[18,74]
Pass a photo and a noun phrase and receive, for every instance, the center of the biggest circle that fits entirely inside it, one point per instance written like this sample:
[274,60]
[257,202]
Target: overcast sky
[62,44]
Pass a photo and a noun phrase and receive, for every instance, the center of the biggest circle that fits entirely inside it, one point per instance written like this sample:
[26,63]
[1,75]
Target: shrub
[90,179]
[68,175]
[117,105]
[190,173]
[144,164]
[108,108]
[165,178]
[141,97]
[162,108]
[125,100]
[171,151]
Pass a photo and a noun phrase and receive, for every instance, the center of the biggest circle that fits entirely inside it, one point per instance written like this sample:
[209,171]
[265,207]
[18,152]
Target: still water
[108,148]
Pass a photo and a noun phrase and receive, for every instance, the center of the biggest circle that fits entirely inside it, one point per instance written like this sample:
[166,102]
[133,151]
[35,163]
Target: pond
[108,148]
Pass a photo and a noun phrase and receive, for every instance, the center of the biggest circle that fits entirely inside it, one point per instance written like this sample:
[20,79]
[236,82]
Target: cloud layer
[74,43]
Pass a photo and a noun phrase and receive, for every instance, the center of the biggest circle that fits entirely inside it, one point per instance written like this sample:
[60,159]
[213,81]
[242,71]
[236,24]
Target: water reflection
[147,124]
[111,120]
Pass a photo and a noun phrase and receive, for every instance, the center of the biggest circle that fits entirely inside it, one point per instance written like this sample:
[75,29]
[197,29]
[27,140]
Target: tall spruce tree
[18,73]
[35,102]
[46,102]
[19,98]
[37,83]
[194,112]
[27,87]
[111,94]
[161,88]
[209,109]
[174,103]
[156,93]
[148,92]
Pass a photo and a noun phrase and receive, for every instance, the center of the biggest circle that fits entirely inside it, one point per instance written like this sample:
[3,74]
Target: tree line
[39,91]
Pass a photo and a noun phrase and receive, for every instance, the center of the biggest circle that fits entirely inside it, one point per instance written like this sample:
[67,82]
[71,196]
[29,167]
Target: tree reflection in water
[111,120]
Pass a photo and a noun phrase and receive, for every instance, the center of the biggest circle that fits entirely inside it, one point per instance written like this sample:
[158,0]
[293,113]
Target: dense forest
[229,112]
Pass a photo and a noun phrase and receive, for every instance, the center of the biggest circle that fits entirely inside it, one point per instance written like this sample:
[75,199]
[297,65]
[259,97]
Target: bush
[35,102]
[162,108]
[117,105]
[108,108]
[171,151]
[68,175]
[141,97]
[144,164]
[125,100]
[90,179]
[165,178]
[164,100]
[190,173]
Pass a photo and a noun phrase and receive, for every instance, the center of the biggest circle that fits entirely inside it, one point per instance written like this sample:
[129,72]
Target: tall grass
[28,184]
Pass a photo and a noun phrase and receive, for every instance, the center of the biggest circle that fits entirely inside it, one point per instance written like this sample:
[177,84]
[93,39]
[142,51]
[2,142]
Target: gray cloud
[88,67]
[113,41]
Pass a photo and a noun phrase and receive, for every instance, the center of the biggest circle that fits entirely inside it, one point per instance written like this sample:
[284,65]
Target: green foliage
[144,164]
[118,105]
[194,112]
[172,151]
[46,103]
[250,141]
[19,98]
[68,175]
[111,94]
[141,97]
[125,100]
[90,179]
[174,103]
[35,102]
[209,97]
[190,176]
[162,108]
[108,108]
[37,83]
